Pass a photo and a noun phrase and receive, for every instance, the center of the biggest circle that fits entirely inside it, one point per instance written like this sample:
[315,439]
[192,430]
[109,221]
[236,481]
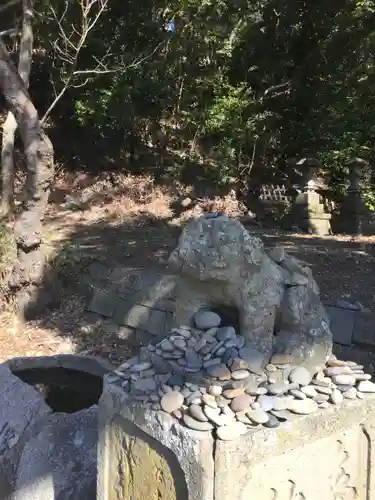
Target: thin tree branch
[11,32]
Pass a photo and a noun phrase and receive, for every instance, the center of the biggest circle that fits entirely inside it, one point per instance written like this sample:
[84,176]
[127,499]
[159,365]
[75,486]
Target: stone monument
[277,298]
[355,218]
[308,210]
[210,413]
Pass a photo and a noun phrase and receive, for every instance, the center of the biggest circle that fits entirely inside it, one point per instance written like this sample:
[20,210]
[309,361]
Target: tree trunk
[10,124]
[29,268]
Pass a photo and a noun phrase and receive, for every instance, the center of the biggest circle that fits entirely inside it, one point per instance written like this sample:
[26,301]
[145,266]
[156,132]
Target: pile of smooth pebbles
[208,378]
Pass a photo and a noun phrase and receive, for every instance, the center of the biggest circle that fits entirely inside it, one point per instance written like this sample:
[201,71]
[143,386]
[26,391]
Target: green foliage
[239,87]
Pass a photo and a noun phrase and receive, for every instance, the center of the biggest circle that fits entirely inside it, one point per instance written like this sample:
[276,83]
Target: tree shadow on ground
[343,268]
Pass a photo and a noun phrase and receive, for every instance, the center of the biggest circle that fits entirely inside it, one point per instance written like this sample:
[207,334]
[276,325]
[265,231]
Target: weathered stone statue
[202,413]
[222,264]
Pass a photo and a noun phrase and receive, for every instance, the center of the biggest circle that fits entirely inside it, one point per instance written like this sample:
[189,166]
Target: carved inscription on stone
[333,468]
[343,488]
[292,494]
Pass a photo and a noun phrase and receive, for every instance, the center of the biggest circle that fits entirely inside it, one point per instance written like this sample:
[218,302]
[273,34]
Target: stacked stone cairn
[208,378]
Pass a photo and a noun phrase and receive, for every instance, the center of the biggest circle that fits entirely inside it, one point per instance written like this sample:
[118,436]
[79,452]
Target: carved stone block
[327,455]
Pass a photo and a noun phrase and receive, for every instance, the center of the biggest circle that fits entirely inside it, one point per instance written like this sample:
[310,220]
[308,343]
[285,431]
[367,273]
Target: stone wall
[140,303]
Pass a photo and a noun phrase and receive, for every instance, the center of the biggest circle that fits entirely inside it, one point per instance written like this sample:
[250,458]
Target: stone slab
[327,455]
[364,329]
[145,455]
[342,324]
[140,316]
[103,303]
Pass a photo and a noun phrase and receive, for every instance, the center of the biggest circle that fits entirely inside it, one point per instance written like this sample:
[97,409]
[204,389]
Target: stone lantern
[308,209]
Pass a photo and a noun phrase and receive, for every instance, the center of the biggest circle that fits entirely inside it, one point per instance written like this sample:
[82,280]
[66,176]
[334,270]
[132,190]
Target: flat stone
[281,415]
[204,320]
[267,402]
[322,382]
[230,353]
[196,425]
[212,362]
[335,362]
[253,357]
[272,422]
[196,412]
[166,345]
[172,401]
[300,375]
[337,370]
[240,374]
[321,398]
[238,364]
[194,398]
[193,359]
[343,380]
[232,431]
[241,403]
[179,342]
[279,387]
[145,384]
[336,397]
[258,416]
[215,390]
[323,390]
[226,333]
[343,388]
[219,371]
[302,406]
[281,403]
[217,418]
[222,402]
[350,394]
[298,394]
[242,417]
[309,390]
[366,386]
[209,400]
[176,379]
[360,377]
[141,366]
[234,393]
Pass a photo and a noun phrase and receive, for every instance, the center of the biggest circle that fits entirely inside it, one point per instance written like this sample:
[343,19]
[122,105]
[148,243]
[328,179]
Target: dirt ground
[130,221]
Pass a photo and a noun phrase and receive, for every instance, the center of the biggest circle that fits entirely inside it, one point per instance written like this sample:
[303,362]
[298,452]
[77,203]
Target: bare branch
[8,5]
[71,38]
[11,32]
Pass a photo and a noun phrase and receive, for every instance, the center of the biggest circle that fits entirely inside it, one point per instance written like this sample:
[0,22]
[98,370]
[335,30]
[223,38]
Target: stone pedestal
[149,455]
[327,455]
